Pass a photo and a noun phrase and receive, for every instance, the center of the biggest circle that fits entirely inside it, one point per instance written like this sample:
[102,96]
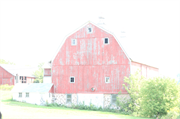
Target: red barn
[12,74]
[89,67]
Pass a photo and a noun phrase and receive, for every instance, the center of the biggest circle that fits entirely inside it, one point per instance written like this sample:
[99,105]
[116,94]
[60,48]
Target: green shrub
[133,86]
[6,87]
[172,114]
[158,95]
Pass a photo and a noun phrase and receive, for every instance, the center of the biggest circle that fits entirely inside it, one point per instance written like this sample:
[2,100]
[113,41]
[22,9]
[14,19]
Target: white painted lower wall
[34,98]
[99,100]
[95,99]
[47,79]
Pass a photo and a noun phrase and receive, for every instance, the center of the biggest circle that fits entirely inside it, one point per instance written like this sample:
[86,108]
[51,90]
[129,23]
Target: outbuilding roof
[20,70]
[33,87]
[19,87]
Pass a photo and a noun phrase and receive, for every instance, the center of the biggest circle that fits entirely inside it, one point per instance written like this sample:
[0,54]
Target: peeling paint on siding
[90,61]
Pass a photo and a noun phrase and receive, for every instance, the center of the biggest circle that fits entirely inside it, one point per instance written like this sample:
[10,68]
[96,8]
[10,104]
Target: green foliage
[172,114]
[158,95]
[133,86]
[124,104]
[36,81]
[39,74]
[6,62]
[6,87]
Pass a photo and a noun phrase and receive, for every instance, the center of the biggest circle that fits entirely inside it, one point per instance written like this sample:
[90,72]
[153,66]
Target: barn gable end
[90,60]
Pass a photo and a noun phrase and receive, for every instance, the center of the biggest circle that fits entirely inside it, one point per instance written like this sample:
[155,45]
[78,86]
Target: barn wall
[6,77]
[30,79]
[34,98]
[90,61]
[145,70]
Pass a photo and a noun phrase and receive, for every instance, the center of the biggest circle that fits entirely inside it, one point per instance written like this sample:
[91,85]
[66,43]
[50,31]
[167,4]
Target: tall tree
[39,74]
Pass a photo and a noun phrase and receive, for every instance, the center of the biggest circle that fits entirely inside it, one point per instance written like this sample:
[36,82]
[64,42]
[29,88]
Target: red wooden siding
[90,61]
[145,70]
[6,77]
[26,79]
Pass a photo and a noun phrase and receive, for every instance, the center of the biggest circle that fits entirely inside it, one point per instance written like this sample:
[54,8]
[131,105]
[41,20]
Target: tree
[132,86]
[39,74]
[158,95]
[2,61]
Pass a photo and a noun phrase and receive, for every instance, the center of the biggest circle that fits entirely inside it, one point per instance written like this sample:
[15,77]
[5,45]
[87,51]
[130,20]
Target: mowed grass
[18,110]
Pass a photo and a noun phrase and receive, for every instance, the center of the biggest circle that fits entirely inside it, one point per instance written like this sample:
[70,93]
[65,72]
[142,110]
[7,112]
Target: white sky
[31,31]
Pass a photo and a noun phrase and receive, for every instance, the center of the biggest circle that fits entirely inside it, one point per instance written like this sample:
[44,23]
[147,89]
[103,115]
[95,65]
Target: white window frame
[108,41]
[73,40]
[26,94]
[105,79]
[88,30]
[112,98]
[19,94]
[70,79]
[68,98]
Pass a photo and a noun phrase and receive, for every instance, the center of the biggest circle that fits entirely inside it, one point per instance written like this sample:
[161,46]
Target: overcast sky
[31,31]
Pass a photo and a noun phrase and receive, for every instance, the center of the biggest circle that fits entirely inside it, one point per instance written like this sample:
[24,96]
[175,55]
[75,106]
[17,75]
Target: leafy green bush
[36,81]
[158,95]
[172,114]
[6,87]
[133,86]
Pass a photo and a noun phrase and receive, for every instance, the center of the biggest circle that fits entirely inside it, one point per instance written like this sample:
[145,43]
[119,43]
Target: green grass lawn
[18,110]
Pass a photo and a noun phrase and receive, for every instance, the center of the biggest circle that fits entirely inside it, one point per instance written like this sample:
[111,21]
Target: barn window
[20,95]
[73,42]
[113,98]
[27,95]
[107,79]
[69,97]
[72,79]
[89,30]
[106,40]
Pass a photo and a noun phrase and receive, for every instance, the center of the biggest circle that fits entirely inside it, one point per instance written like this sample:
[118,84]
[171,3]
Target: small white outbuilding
[35,93]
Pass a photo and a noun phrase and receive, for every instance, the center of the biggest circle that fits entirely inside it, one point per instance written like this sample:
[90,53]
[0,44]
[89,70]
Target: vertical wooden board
[62,55]
[115,48]
[93,77]
[80,33]
[54,77]
[103,34]
[72,56]
[113,79]
[89,51]
[123,73]
[109,52]
[87,78]
[65,80]
[81,79]
[97,73]
[97,51]
[118,78]
[61,77]
[97,32]
[85,51]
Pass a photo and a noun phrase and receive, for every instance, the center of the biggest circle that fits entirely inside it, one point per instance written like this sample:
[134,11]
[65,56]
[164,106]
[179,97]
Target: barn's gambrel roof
[63,41]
